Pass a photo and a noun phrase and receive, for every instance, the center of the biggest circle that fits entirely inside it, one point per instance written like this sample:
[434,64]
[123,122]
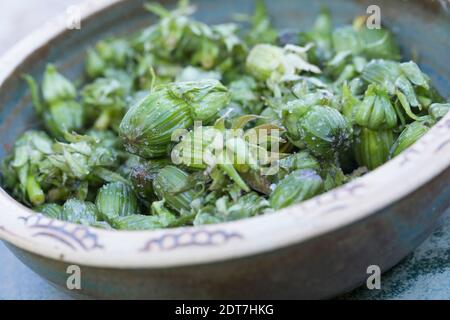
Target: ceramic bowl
[317,249]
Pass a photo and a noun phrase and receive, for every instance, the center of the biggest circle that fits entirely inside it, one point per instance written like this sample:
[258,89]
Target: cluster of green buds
[178,38]
[405,81]
[56,171]
[165,37]
[105,101]
[376,120]
[21,170]
[82,158]
[185,123]
[159,217]
[148,126]
[226,209]
[232,151]
[354,45]
[397,94]
[107,55]
[345,51]
[116,207]
[59,109]
[296,187]
[73,210]
[376,111]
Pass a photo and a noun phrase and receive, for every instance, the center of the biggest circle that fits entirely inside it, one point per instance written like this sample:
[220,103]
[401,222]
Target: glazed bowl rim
[325,213]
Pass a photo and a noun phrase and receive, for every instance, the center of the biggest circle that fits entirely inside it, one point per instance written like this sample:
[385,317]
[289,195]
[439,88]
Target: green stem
[34,191]
[234,175]
[34,93]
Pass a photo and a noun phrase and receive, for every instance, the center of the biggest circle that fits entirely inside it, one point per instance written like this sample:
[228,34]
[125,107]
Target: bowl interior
[421,28]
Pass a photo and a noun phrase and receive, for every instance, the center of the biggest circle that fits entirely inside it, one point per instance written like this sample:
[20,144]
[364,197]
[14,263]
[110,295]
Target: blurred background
[19,17]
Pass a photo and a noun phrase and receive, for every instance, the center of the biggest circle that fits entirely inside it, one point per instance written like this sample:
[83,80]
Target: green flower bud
[376,111]
[382,72]
[265,59]
[148,126]
[296,187]
[95,66]
[439,110]
[64,116]
[379,43]
[105,100]
[116,200]
[347,39]
[173,185]
[81,212]
[226,208]
[56,87]
[51,210]
[297,161]
[31,148]
[61,113]
[161,217]
[104,92]
[408,137]
[261,30]
[268,62]
[401,79]
[84,158]
[113,52]
[269,116]
[249,205]
[372,147]
[323,130]
[142,173]
[296,109]
[370,43]
[332,176]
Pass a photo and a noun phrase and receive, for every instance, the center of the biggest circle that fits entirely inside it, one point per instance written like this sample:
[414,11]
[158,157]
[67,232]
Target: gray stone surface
[424,274]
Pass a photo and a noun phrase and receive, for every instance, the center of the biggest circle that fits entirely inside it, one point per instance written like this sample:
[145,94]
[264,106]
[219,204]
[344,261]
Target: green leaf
[296,187]
[81,212]
[56,87]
